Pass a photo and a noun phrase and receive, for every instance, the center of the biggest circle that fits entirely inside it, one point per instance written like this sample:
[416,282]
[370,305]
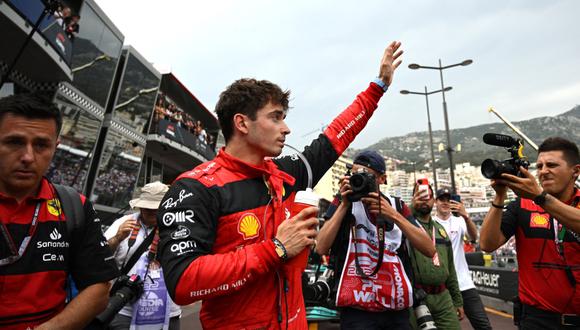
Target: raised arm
[459,207]
[328,232]
[343,129]
[490,236]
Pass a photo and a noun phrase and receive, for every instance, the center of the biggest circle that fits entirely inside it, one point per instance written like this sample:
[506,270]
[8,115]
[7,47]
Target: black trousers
[536,319]
[356,319]
[473,308]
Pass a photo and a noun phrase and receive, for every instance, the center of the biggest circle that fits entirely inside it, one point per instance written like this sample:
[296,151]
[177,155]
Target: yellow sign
[53,207]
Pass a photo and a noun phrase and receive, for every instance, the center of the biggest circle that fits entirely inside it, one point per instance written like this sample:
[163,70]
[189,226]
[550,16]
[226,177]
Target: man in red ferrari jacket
[226,234]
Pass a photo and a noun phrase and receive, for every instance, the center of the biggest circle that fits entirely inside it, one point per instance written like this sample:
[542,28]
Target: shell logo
[538,220]
[53,207]
[249,226]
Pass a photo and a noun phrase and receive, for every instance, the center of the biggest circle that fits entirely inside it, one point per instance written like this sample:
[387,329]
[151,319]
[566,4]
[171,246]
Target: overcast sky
[526,55]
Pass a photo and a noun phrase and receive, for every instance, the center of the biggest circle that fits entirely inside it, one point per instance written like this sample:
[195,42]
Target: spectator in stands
[170,112]
[61,14]
[200,132]
[125,237]
[545,219]
[72,26]
[37,249]
[452,215]
[159,110]
[189,124]
[178,117]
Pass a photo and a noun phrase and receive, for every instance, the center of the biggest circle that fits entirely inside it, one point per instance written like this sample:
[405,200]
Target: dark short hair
[247,96]
[31,106]
[568,148]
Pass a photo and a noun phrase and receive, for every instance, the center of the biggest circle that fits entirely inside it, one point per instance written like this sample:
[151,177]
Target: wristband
[540,200]
[381,84]
[498,206]
[280,249]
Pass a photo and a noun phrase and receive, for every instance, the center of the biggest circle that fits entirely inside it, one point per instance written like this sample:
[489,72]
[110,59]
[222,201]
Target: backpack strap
[72,206]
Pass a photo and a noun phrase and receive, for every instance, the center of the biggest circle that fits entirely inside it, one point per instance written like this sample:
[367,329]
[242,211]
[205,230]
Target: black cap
[442,192]
[372,160]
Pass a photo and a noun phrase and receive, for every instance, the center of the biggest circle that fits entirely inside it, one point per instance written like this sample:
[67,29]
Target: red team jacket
[216,224]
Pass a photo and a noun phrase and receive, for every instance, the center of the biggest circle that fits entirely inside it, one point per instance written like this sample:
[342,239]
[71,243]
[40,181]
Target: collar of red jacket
[44,192]
[268,169]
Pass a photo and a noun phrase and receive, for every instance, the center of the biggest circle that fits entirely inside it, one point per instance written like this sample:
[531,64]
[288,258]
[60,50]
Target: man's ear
[240,121]
[383,178]
[576,171]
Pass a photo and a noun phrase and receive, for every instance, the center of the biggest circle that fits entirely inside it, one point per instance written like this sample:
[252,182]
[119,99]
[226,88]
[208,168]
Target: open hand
[390,62]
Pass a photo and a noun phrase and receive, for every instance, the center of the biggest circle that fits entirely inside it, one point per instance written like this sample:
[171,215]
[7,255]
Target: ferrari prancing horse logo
[53,207]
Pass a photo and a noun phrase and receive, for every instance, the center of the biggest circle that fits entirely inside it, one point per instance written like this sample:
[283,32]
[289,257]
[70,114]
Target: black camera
[361,184]
[493,169]
[127,289]
[423,315]
[318,291]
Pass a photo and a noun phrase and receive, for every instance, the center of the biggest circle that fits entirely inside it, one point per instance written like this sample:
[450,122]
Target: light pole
[415,66]
[446,89]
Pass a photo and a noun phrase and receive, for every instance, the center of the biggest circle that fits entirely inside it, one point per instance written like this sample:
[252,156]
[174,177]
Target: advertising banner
[495,282]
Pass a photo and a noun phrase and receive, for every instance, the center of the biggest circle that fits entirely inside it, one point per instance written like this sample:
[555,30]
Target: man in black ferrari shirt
[545,220]
[37,251]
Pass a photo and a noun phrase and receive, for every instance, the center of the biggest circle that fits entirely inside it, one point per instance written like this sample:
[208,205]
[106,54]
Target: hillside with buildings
[414,147]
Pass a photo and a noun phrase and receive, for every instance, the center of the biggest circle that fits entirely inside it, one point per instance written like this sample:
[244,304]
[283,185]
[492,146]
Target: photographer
[137,233]
[436,275]
[545,220]
[352,233]
[451,214]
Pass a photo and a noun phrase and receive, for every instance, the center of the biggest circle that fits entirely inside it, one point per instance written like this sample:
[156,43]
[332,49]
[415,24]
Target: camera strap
[137,254]
[380,225]
[381,237]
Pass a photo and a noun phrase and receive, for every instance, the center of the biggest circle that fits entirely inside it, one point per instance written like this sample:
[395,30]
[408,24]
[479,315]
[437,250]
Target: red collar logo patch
[249,226]
[539,220]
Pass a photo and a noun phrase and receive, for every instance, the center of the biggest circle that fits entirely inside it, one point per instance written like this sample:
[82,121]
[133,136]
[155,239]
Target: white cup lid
[307,196]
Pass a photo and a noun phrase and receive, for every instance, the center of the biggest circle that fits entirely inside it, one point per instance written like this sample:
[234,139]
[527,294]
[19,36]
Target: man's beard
[424,209]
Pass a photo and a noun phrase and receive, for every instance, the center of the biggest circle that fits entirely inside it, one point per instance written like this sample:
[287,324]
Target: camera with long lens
[423,315]
[318,291]
[361,183]
[127,289]
[493,169]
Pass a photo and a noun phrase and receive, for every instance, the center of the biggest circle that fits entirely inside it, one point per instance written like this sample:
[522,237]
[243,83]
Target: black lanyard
[18,253]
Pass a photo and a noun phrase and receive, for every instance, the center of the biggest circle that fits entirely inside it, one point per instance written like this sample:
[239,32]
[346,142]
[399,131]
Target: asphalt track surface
[499,320]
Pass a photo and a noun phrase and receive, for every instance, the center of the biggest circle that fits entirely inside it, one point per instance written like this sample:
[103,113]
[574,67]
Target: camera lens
[356,182]
[491,168]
